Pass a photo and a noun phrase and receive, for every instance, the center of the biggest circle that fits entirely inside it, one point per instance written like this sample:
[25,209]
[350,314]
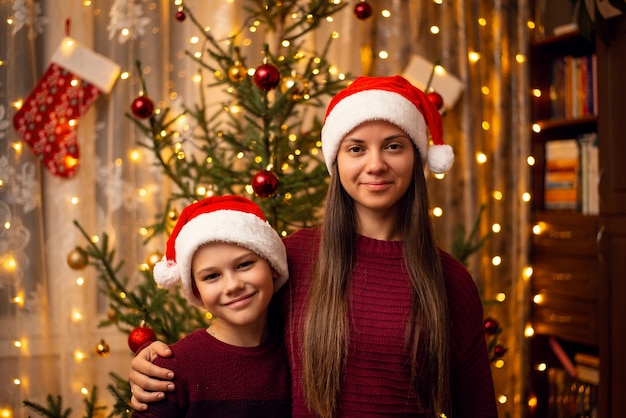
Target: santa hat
[230,219]
[393,99]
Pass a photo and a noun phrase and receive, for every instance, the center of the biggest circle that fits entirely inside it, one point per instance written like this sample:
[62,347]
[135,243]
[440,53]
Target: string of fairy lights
[9,263]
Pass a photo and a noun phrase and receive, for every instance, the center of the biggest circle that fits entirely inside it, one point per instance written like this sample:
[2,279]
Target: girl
[229,261]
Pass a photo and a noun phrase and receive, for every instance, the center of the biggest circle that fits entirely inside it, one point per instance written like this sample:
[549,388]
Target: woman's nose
[375,161]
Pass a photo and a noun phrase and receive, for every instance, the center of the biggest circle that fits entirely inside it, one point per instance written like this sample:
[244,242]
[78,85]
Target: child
[229,261]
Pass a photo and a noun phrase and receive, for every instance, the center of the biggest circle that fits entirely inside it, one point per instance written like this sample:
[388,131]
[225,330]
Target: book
[561,177]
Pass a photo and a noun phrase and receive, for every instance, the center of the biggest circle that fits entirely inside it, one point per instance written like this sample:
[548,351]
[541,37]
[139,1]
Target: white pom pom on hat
[393,99]
[230,219]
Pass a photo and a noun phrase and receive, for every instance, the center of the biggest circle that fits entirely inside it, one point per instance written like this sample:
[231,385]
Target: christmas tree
[262,142]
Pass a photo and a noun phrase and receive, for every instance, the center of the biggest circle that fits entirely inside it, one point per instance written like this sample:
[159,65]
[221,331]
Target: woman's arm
[147,381]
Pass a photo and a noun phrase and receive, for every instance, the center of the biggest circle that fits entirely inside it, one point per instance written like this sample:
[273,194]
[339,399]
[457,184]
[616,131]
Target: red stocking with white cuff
[48,119]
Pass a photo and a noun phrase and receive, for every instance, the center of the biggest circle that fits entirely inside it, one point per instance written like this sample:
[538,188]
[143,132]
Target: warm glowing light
[530,24]
[485,90]
[529,331]
[6,413]
[434,30]
[124,75]
[439,176]
[240,155]
[482,21]
[499,364]
[536,92]
[208,315]
[501,297]
[481,157]
[536,128]
[473,56]
[385,13]
[538,228]
[541,367]
[122,295]
[496,228]
[530,160]
[496,260]
[201,190]
[134,155]
[7,225]
[383,55]
[497,195]
[502,399]
[17,381]
[17,343]
[18,300]
[80,281]
[526,197]
[520,58]
[437,212]
[77,316]
[142,192]
[84,391]
[17,146]
[9,263]
[79,356]
[285,43]
[485,125]
[538,298]
[528,272]
[74,200]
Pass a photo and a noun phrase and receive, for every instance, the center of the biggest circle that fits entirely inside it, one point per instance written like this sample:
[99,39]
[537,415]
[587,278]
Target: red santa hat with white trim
[393,99]
[230,219]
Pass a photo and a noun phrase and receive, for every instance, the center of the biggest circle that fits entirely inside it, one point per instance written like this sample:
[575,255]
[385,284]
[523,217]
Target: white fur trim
[166,273]
[440,158]
[368,105]
[231,226]
[83,62]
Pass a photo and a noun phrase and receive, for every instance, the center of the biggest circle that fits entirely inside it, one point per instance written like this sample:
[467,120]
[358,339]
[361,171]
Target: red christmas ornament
[265,183]
[180,16]
[436,99]
[266,77]
[499,350]
[491,326]
[142,107]
[139,336]
[363,10]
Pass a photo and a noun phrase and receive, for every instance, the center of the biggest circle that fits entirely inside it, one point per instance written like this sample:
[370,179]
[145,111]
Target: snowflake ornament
[28,13]
[127,18]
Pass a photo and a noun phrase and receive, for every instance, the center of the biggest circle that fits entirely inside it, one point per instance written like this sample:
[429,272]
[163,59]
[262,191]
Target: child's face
[234,284]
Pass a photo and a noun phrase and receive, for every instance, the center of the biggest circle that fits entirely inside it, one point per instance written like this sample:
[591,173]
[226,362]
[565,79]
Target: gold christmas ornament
[102,349]
[153,258]
[112,315]
[297,86]
[77,259]
[237,73]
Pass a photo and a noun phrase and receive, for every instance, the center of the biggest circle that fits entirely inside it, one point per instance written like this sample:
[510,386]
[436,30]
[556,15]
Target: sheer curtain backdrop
[49,312]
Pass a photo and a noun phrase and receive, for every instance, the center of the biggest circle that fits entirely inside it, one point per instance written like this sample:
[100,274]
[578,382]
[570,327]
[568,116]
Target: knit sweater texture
[215,379]
[376,379]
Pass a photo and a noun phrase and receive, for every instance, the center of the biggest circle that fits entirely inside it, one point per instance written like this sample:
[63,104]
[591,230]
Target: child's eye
[245,264]
[211,276]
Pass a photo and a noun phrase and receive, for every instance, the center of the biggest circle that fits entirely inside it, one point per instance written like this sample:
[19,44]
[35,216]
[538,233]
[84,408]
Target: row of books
[571,174]
[573,388]
[573,89]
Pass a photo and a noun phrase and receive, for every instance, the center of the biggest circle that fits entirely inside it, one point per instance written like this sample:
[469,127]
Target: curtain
[49,311]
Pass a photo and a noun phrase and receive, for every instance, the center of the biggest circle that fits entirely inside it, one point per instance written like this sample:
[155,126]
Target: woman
[380,321]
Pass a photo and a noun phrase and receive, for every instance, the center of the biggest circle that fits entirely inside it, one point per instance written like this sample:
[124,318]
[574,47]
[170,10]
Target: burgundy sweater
[215,379]
[376,380]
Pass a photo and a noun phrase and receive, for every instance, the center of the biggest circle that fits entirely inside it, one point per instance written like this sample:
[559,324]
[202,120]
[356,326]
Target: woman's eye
[354,149]
[394,146]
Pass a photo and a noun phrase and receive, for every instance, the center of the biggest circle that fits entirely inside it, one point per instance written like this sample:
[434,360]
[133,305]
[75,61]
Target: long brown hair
[325,331]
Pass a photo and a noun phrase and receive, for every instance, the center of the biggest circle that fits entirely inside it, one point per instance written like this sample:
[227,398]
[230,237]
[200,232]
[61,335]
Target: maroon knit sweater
[215,379]
[376,381]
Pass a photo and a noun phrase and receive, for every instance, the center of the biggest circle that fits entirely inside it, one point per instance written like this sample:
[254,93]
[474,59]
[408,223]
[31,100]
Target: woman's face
[375,163]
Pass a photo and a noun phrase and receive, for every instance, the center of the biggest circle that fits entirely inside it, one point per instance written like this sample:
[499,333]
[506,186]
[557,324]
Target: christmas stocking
[48,119]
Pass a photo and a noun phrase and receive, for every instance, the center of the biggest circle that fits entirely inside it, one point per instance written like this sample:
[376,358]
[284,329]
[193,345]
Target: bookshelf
[578,242]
